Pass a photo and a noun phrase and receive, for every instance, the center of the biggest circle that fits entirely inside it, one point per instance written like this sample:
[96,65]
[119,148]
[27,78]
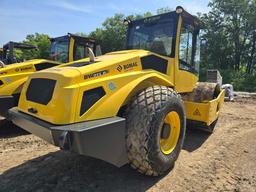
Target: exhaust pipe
[2,65]
[91,55]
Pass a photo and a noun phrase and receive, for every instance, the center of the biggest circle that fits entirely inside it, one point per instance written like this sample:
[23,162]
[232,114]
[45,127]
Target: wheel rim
[169,142]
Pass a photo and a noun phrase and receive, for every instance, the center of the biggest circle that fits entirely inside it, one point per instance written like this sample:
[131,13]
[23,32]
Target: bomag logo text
[127,67]
[23,69]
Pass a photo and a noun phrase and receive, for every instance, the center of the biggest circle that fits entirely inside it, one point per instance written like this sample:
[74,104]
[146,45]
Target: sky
[58,17]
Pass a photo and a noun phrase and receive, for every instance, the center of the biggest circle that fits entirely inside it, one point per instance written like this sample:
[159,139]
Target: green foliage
[112,35]
[163,10]
[230,42]
[43,43]
[81,34]
[18,54]
[240,80]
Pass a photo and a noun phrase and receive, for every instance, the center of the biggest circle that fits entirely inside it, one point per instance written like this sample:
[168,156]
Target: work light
[179,10]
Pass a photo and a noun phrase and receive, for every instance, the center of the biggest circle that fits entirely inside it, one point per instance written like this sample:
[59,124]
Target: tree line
[228,40]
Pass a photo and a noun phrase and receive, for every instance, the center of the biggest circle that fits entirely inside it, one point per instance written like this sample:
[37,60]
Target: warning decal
[197,113]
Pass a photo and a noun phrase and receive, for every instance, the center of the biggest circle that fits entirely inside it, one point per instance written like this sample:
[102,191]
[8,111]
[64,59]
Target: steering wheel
[2,65]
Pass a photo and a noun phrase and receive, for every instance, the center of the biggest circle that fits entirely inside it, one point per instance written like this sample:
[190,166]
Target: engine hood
[70,83]
[27,66]
[105,65]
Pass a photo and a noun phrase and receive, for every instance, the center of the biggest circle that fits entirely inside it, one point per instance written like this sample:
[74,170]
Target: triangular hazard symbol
[197,112]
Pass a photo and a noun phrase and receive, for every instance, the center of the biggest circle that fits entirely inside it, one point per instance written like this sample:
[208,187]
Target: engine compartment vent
[90,97]
[40,90]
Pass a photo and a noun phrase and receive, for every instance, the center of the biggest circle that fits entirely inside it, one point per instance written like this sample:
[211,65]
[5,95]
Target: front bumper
[6,103]
[102,139]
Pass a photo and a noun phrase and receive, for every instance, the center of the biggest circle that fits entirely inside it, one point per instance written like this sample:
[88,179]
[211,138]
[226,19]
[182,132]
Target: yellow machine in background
[128,106]
[7,55]
[64,49]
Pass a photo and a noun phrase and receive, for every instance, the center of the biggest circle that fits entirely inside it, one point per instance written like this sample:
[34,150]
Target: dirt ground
[224,161]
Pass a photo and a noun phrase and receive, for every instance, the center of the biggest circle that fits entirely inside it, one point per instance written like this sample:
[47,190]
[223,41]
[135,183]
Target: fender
[13,87]
[125,86]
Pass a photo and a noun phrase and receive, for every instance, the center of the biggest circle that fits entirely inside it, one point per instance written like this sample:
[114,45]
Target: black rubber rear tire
[144,119]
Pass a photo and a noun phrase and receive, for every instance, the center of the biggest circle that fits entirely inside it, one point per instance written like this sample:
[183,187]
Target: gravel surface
[223,161]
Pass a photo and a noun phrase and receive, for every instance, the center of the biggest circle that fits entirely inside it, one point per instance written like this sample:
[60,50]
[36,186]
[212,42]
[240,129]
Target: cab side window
[185,51]
[197,52]
[59,51]
[189,51]
[79,52]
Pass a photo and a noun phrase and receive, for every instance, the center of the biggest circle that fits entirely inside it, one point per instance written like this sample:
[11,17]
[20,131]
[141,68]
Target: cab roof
[18,45]
[187,17]
[76,37]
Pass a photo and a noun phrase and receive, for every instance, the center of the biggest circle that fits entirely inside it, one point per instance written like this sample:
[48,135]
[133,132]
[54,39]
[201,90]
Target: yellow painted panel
[15,75]
[110,104]
[205,112]
[185,81]
[71,49]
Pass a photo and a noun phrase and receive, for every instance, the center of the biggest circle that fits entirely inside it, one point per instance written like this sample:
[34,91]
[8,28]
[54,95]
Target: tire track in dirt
[224,161]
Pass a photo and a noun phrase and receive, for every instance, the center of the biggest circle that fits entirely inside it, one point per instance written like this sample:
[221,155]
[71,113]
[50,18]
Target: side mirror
[127,22]
[2,65]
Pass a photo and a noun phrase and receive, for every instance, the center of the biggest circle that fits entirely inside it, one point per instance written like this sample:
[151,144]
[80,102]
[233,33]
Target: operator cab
[7,55]
[72,47]
[155,34]
[161,33]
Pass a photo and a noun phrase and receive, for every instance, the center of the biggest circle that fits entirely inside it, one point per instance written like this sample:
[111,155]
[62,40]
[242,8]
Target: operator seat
[158,47]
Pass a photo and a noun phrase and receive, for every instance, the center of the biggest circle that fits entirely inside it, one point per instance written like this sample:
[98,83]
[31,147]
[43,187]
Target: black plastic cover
[43,66]
[154,62]
[40,90]
[90,97]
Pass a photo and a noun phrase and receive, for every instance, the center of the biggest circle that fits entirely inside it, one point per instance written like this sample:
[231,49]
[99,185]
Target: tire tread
[150,100]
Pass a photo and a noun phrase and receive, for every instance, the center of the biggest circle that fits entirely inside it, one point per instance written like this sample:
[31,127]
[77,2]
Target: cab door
[187,70]
[78,49]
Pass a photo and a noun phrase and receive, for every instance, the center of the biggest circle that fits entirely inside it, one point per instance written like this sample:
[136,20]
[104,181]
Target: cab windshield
[156,34]
[60,50]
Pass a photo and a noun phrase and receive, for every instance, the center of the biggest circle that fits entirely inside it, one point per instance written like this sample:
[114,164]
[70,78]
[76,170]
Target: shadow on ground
[8,130]
[194,139]
[64,171]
